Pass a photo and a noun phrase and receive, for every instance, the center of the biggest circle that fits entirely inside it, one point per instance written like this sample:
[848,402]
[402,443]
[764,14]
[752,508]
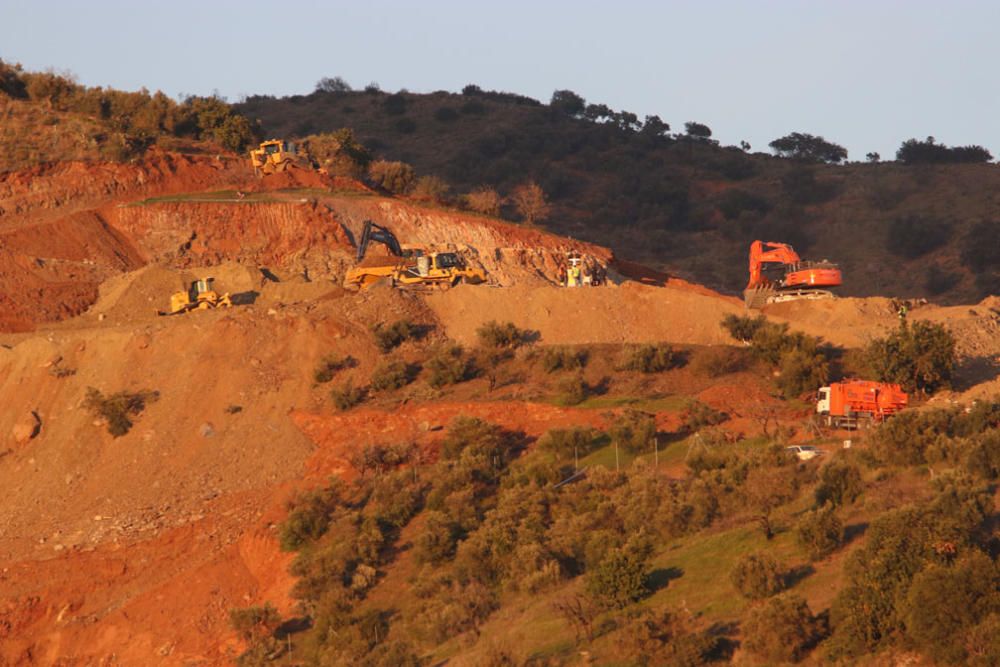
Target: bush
[736,202]
[309,519]
[698,415]
[802,371]
[448,365]
[568,444]
[563,359]
[920,356]
[649,358]
[396,177]
[573,390]
[945,602]
[820,532]
[648,638]
[116,408]
[393,374]
[633,430]
[619,580]
[484,200]
[757,576]
[743,328]
[715,362]
[783,629]
[435,543]
[347,396]
[431,188]
[501,336]
[390,337]
[445,114]
[982,642]
[328,367]
[801,146]
[839,483]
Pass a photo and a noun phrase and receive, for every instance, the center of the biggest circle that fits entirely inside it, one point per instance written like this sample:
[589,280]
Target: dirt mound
[629,313]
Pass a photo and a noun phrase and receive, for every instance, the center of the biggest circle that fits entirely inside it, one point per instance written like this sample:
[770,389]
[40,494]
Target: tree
[567,102]
[807,147]
[396,177]
[619,580]
[929,152]
[873,157]
[782,629]
[920,356]
[698,131]
[484,200]
[333,85]
[757,576]
[654,127]
[530,201]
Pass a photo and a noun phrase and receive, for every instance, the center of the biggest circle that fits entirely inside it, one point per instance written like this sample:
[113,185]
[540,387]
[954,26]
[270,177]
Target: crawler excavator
[407,266]
[777,273]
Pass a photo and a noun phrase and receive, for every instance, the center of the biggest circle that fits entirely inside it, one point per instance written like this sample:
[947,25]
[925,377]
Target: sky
[864,74]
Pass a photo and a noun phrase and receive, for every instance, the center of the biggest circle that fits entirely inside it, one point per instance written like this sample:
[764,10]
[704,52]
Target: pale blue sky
[867,75]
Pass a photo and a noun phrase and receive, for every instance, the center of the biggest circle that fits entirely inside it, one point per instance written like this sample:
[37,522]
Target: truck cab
[823,401]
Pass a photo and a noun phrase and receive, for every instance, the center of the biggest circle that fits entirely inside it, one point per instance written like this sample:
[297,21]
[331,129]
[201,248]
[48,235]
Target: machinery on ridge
[407,266]
[777,273]
[276,155]
[201,295]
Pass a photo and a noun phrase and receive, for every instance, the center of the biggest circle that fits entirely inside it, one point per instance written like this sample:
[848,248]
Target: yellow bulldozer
[277,155]
[201,295]
[408,267]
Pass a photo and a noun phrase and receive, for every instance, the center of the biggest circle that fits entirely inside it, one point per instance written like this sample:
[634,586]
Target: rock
[27,428]
[206,430]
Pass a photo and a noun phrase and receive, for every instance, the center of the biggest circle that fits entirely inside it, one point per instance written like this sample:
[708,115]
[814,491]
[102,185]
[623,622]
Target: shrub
[484,200]
[743,328]
[391,374]
[435,543]
[648,638]
[328,367]
[820,532]
[801,371]
[390,337]
[920,356]
[715,362]
[568,444]
[479,438]
[116,408]
[445,114]
[801,146]
[563,359]
[982,642]
[736,202]
[633,430]
[946,601]
[254,623]
[501,336]
[396,177]
[448,365]
[309,518]
[783,629]
[839,483]
[649,358]
[572,390]
[431,188]
[347,396]
[395,104]
[619,580]
[380,458]
[757,576]
[698,415]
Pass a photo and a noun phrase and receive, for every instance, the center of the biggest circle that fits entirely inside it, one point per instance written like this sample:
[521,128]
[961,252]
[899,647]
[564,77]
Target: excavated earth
[132,550]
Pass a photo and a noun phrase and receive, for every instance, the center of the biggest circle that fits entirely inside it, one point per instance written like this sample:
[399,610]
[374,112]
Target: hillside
[508,473]
[674,202]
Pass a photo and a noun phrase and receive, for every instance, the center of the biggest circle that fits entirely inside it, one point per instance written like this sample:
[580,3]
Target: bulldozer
[276,155]
[201,295]
[407,266]
[777,274]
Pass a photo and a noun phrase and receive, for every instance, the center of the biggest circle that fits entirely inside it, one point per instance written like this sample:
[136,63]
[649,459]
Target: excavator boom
[798,279]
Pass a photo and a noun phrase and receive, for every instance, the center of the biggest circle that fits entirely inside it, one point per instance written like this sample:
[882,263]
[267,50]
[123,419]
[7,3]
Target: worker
[573,275]
[902,312]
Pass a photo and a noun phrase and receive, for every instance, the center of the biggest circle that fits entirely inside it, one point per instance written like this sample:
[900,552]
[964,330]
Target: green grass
[651,404]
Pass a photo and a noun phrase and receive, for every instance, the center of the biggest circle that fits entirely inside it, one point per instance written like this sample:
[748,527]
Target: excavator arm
[769,252]
[372,232]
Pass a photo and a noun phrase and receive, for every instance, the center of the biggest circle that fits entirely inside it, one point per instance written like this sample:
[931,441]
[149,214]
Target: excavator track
[758,297]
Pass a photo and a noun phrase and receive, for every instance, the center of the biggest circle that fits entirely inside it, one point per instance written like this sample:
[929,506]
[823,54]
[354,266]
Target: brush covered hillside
[508,473]
[675,199]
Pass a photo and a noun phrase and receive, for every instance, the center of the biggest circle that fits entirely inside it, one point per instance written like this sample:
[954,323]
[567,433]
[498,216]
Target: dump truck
[856,403]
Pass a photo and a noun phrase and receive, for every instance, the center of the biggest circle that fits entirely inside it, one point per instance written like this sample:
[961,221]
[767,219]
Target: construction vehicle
[201,295]
[276,155]
[407,266]
[855,403]
[777,273]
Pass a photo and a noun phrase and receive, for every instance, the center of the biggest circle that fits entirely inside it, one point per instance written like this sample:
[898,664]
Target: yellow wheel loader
[201,295]
[408,267]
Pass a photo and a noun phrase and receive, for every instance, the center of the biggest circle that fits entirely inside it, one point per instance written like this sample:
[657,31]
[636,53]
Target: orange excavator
[777,273]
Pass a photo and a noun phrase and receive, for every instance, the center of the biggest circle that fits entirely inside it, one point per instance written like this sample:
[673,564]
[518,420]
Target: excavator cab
[200,295]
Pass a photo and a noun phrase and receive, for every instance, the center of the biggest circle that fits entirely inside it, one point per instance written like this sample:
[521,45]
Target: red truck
[854,402]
